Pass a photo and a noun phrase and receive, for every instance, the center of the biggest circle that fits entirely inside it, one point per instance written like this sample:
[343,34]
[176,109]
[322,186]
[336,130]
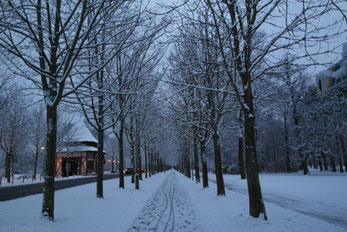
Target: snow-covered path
[169,209]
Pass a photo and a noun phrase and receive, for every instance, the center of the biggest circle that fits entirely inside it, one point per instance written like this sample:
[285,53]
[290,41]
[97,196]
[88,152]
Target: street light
[112,164]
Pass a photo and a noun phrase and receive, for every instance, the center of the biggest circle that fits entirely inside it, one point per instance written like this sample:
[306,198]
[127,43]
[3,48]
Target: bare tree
[37,134]
[96,96]
[251,54]
[50,38]
[14,129]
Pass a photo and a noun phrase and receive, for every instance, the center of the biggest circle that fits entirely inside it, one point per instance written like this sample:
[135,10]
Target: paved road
[13,192]
[169,209]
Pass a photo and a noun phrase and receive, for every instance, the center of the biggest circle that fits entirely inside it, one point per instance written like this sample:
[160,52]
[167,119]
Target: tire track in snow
[169,209]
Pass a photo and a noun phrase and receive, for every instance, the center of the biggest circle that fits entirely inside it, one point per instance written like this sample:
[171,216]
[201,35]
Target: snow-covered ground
[18,180]
[319,194]
[230,213]
[169,209]
[172,202]
[78,209]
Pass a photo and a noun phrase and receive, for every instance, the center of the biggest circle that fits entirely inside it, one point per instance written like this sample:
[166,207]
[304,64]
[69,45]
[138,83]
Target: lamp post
[112,161]
[42,148]
[117,167]
[112,165]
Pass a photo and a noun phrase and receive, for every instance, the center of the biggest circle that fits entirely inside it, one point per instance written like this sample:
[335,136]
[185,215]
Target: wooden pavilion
[78,156]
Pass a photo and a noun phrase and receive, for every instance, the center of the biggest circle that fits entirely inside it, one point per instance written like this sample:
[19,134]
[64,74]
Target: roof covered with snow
[78,148]
[80,131]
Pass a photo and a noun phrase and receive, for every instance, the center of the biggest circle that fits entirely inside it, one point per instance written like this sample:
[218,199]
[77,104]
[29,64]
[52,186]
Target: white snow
[321,188]
[78,148]
[320,195]
[77,209]
[230,213]
[169,209]
[80,131]
[19,181]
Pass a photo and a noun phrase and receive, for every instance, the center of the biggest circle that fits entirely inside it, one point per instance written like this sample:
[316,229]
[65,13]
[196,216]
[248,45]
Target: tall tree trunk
[35,161]
[343,148]
[49,170]
[100,164]
[304,165]
[121,153]
[240,159]
[146,160]
[256,203]
[140,167]
[187,160]
[332,163]
[154,163]
[196,161]
[139,158]
[320,164]
[158,162]
[191,164]
[132,151]
[150,162]
[286,140]
[298,139]
[182,165]
[340,156]
[325,163]
[204,166]
[8,166]
[240,148]
[218,164]
[341,165]
[137,167]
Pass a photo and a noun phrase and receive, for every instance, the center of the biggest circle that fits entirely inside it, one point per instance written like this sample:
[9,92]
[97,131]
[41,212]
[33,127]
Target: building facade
[78,156]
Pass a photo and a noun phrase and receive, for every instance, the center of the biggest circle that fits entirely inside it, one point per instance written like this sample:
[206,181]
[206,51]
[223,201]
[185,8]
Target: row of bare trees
[98,54]
[103,57]
[224,54]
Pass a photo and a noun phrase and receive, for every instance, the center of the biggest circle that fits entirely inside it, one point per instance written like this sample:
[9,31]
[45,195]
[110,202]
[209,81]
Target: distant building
[78,156]
[336,75]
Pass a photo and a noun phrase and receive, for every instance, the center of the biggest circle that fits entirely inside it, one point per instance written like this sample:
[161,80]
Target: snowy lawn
[319,194]
[77,209]
[230,213]
[322,187]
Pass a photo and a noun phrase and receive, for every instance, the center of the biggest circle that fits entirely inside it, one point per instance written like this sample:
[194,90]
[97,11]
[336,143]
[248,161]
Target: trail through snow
[169,209]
